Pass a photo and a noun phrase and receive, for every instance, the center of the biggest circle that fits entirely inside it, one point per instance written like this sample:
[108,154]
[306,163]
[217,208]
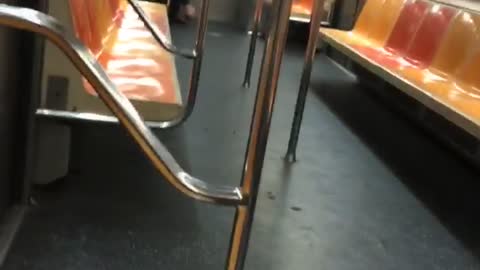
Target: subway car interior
[239,134]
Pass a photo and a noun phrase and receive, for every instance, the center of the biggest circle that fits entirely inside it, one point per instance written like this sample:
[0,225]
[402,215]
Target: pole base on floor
[291,157]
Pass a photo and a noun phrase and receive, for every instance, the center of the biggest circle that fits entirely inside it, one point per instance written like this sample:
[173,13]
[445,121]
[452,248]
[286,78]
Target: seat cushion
[139,67]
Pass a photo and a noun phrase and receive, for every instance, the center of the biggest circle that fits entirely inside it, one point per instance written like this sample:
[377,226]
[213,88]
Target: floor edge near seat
[9,227]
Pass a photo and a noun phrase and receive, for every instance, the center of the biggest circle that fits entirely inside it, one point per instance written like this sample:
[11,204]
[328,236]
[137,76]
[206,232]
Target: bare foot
[186,13]
[190,11]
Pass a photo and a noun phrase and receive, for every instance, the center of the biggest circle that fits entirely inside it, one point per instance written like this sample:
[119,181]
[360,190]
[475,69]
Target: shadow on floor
[111,212]
[445,183]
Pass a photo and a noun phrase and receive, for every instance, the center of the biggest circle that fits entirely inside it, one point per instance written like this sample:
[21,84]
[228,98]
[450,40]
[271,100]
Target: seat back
[383,23]
[95,21]
[306,4]
[115,5]
[80,25]
[407,25]
[461,37]
[430,34]
[302,6]
[468,72]
[367,16]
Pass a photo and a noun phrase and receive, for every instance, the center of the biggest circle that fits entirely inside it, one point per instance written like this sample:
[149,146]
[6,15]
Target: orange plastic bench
[371,28]
[415,38]
[432,53]
[127,51]
[301,10]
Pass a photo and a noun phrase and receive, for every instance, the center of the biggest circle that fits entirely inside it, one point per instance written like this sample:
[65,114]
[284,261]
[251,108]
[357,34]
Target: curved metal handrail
[196,65]
[159,36]
[196,55]
[44,25]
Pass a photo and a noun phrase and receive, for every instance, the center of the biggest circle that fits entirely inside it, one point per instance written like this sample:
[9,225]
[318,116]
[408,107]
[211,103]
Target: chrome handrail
[244,197]
[158,35]
[157,153]
[259,130]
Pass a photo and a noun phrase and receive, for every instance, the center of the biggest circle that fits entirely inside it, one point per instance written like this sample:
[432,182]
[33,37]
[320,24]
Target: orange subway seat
[85,15]
[407,25]
[102,21]
[117,8]
[134,40]
[462,92]
[131,57]
[467,79]
[455,79]
[375,32]
[460,39]
[372,28]
[379,28]
[429,36]
[359,34]
[100,31]
[463,35]
[115,5]
[433,55]
[367,17]
[382,25]
[302,7]
[147,86]
[425,43]
[404,31]
[141,78]
[82,27]
[434,45]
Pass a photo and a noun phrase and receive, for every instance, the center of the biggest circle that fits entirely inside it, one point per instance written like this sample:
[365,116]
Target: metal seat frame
[195,54]
[243,197]
[315,23]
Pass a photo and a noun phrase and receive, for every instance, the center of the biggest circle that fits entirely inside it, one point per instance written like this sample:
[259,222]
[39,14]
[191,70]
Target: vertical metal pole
[315,22]
[253,42]
[197,61]
[259,130]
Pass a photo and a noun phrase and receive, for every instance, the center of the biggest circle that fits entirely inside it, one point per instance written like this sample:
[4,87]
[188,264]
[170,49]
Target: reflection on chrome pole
[315,21]
[253,42]
[259,130]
